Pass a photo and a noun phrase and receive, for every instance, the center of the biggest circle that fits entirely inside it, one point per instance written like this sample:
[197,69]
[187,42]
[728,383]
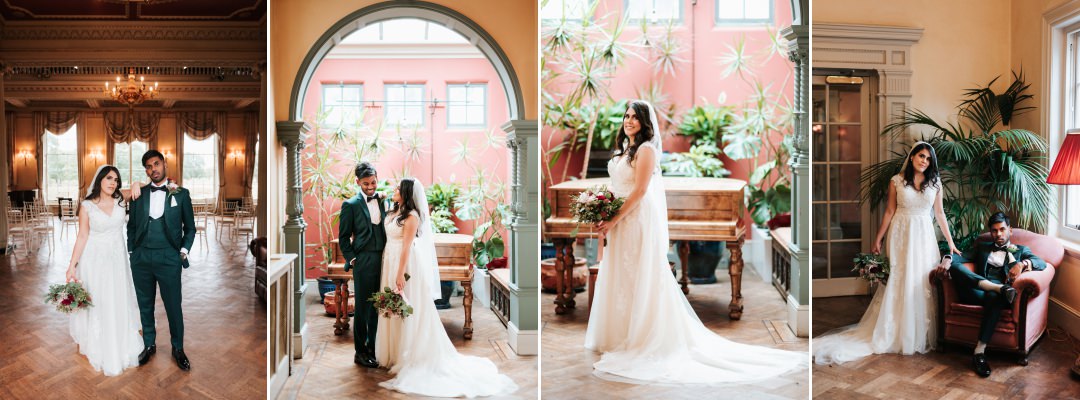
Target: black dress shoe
[365,360]
[181,359]
[1009,292]
[144,356]
[982,368]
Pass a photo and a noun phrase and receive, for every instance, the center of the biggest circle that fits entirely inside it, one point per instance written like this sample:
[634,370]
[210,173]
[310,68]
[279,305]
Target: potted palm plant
[984,168]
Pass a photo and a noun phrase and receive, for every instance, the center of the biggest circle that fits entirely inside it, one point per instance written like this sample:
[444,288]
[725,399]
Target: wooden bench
[500,293]
[453,251]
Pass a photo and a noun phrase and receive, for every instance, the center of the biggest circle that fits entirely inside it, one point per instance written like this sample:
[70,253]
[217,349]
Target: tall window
[557,9]
[201,167]
[1069,207]
[255,175]
[654,11]
[61,168]
[342,104]
[404,105]
[127,157]
[743,11]
[466,106]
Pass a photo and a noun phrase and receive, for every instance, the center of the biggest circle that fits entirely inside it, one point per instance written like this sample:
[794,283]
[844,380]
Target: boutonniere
[173,187]
[1011,248]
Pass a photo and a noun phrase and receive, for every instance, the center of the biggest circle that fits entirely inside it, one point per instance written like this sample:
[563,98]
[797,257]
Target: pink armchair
[1020,326]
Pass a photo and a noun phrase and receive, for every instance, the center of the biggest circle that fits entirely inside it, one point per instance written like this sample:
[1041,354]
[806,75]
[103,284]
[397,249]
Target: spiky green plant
[984,169]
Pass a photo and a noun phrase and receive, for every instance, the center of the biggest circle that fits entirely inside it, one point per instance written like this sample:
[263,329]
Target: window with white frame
[404,105]
[342,104]
[654,11]
[730,12]
[201,167]
[61,168]
[559,9]
[127,157]
[466,105]
[255,175]
[1069,207]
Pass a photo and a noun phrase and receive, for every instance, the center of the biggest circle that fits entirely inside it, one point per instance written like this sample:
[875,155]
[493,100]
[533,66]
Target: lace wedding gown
[640,318]
[108,332]
[901,317]
[417,348]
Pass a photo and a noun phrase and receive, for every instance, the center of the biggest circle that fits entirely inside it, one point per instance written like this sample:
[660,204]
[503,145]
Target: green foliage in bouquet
[874,268]
[68,297]
[389,303]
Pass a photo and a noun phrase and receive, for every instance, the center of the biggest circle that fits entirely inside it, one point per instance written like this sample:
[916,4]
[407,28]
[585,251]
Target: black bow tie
[156,188]
[372,197]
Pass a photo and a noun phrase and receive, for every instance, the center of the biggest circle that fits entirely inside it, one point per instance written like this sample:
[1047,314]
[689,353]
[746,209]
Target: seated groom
[997,264]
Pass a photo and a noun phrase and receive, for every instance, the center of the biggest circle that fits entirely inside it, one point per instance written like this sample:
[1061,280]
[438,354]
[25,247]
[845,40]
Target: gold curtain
[251,142]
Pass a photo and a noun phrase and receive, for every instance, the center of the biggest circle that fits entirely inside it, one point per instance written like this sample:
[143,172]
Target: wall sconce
[25,154]
[167,153]
[97,156]
[236,155]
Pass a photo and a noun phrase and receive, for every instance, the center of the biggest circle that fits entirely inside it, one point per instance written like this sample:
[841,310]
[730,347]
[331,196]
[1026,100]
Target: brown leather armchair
[1020,326]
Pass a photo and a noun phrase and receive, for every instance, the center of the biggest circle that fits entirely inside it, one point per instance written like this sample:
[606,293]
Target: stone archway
[523,228]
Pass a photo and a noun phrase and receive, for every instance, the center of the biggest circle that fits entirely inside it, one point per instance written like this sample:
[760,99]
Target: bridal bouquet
[68,297]
[872,267]
[595,205]
[388,302]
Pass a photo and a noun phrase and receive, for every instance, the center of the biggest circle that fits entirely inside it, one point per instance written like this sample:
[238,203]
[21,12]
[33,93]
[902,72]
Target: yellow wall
[965,43]
[297,24]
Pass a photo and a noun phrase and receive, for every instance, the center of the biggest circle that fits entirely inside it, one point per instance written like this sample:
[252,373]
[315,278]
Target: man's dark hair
[151,154]
[999,217]
[364,170]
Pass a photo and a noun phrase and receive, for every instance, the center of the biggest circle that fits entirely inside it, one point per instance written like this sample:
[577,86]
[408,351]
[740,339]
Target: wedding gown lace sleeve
[640,318]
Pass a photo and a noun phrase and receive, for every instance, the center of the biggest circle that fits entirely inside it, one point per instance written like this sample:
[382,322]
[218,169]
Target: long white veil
[425,241]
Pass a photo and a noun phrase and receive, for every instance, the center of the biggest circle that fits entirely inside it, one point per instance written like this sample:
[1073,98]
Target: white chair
[226,217]
[17,229]
[201,218]
[67,216]
[245,223]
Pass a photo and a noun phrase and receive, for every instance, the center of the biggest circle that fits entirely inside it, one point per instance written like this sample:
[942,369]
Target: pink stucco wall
[700,76]
[436,164]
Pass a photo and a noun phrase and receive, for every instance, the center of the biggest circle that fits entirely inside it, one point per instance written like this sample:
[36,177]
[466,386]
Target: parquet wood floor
[567,371]
[225,333]
[945,374]
[327,370]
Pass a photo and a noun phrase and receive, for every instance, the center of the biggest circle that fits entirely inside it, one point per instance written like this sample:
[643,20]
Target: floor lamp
[1066,171]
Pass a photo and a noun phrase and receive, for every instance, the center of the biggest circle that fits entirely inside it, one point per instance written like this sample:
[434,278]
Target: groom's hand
[1016,270]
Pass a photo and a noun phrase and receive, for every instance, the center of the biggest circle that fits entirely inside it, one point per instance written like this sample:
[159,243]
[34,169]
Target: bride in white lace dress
[108,332]
[640,318]
[417,348]
[902,315]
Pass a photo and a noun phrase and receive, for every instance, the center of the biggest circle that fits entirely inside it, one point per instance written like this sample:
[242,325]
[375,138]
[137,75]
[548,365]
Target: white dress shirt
[373,210]
[157,201]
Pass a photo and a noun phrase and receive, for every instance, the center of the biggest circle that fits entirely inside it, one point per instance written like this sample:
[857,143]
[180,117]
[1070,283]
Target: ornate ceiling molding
[131,32]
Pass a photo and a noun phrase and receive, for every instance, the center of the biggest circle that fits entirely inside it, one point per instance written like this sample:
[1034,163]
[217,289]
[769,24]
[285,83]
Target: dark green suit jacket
[354,228]
[179,220]
[981,253]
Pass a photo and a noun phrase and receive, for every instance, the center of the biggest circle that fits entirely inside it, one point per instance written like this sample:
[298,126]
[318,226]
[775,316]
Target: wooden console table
[708,209]
[453,252]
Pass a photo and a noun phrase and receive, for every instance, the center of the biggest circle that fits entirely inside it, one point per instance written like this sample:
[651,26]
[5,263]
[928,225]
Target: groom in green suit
[997,264]
[160,232]
[362,237]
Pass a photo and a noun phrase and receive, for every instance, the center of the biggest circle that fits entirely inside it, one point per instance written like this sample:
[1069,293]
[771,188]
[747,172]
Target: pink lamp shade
[1066,169]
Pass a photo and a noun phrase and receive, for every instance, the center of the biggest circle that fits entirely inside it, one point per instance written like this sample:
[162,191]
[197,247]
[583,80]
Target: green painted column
[798,37]
[524,234]
[292,134]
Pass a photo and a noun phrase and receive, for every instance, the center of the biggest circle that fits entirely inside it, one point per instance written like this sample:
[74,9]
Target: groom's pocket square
[173,202]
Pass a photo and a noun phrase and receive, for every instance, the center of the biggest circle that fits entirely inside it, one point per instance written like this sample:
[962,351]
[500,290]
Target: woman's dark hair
[407,204]
[644,135]
[931,173]
[95,192]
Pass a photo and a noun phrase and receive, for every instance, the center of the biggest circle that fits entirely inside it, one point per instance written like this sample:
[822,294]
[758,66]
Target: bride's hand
[877,248]
[954,250]
[136,190]
[604,226]
[400,283]
[70,276]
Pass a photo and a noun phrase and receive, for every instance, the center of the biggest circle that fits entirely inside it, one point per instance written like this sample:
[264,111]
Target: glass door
[843,138]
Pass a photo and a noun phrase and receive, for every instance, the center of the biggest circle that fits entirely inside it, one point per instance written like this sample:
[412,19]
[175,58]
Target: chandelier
[134,92]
